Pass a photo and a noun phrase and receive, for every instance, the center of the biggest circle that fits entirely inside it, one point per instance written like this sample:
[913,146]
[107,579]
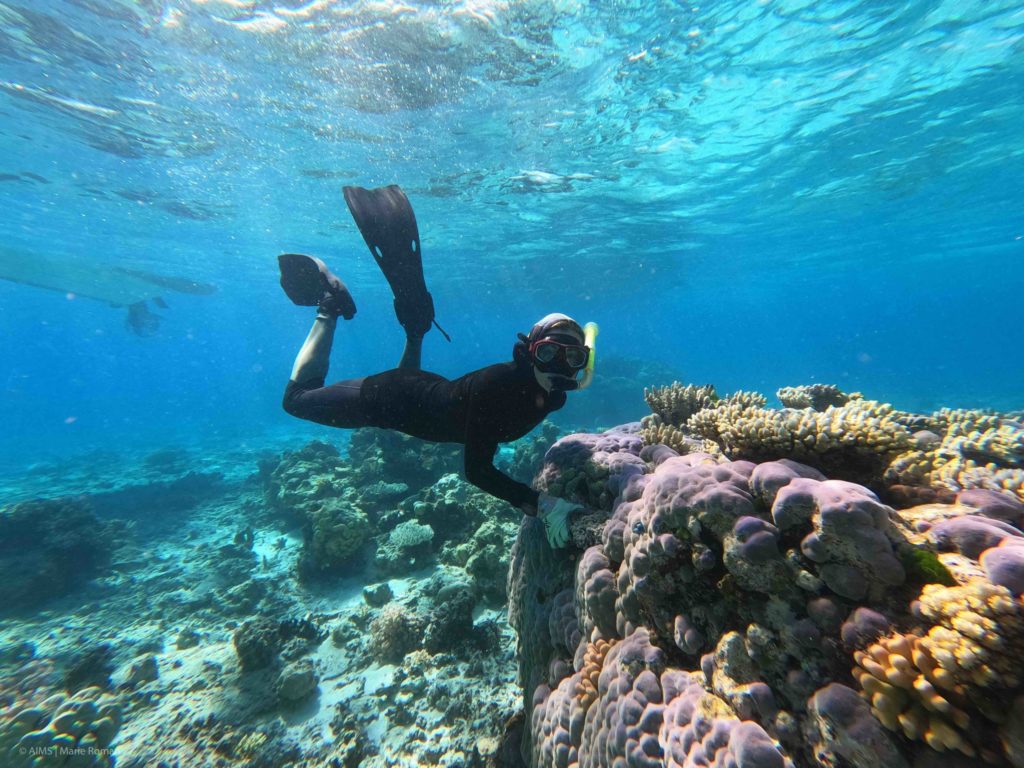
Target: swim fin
[388,225]
[309,283]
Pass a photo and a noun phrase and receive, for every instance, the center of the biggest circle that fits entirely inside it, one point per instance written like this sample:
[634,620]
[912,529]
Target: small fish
[34,177]
[187,212]
[10,177]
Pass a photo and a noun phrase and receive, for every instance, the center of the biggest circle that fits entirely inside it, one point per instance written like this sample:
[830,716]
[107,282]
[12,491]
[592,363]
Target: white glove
[554,513]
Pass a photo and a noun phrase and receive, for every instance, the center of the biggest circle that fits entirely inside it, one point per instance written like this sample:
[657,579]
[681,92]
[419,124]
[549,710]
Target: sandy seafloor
[176,578]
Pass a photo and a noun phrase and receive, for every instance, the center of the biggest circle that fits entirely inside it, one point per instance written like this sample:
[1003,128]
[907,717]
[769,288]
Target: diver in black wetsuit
[486,407]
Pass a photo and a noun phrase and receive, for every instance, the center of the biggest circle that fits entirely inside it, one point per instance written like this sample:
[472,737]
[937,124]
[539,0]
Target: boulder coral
[60,729]
[48,548]
[735,613]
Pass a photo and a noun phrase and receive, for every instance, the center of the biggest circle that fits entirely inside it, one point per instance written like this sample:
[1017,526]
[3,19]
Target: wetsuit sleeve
[482,473]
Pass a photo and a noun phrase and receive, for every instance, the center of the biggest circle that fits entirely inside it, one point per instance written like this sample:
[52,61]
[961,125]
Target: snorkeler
[481,409]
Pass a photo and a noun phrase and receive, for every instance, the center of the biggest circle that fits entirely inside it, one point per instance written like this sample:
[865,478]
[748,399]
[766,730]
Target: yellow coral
[978,637]
[655,431]
[816,396]
[251,744]
[977,450]
[590,672]
[951,685]
[898,676]
[866,431]
[676,403]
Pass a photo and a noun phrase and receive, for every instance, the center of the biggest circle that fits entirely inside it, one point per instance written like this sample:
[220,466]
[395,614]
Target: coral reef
[816,396]
[726,603]
[48,548]
[384,455]
[910,458]
[528,453]
[310,488]
[335,532]
[261,641]
[485,557]
[453,508]
[676,403]
[396,632]
[589,469]
[405,547]
[62,730]
[971,450]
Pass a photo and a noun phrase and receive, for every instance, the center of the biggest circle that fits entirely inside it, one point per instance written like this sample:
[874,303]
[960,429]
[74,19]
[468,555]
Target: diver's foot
[309,283]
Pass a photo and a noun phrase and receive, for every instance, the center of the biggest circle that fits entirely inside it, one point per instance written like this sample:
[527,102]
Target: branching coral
[655,431]
[978,637]
[846,436]
[854,441]
[676,403]
[898,676]
[816,396]
[952,686]
[975,450]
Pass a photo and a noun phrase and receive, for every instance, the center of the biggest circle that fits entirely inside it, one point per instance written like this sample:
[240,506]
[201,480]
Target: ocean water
[757,193]
[749,193]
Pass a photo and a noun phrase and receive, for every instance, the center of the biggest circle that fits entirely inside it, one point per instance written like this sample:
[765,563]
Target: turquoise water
[756,193]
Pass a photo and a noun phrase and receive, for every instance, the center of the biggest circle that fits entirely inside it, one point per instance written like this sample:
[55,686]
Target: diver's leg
[339,405]
[314,358]
[412,353]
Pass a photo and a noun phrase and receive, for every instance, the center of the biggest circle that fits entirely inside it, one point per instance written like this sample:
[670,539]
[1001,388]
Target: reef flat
[259,608]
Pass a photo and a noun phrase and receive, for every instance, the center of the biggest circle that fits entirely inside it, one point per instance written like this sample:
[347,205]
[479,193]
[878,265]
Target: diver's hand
[554,513]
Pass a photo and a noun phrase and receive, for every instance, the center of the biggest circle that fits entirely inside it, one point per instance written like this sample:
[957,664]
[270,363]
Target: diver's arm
[482,473]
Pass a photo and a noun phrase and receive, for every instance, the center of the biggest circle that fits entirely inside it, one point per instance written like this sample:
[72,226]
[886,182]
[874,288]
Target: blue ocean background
[750,194]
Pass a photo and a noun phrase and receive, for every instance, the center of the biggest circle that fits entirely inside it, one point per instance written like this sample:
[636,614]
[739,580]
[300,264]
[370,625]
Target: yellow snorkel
[589,338]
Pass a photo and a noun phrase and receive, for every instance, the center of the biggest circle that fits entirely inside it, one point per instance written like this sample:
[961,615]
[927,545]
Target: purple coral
[971,535]
[591,469]
[848,537]
[758,539]
[769,477]
[688,638]
[994,504]
[685,499]
[562,624]
[596,592]
[692,736]
[845,728]
[863,627]
[1004,566]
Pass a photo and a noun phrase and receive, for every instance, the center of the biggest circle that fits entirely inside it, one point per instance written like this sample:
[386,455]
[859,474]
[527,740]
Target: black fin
[388,225]
[307,282]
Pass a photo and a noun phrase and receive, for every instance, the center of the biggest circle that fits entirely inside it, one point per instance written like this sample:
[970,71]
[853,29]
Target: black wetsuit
[481,409]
